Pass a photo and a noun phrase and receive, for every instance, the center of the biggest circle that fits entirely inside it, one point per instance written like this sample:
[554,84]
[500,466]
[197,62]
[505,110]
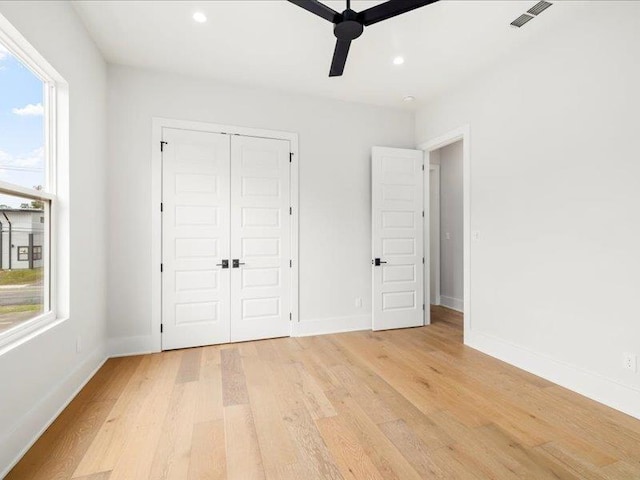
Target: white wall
[335,228]
[451,238]
[39,376]
[554,197]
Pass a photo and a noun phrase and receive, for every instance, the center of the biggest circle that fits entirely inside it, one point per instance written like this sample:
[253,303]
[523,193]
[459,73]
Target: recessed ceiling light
[199,17]
[398,60]
[409,98]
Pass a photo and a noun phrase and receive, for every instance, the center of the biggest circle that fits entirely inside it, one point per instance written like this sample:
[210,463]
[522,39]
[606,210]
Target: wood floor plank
[527,460]
[621,471]
[244,459]
[268,423]
[346,449]
[386,457]
[190,365]
[107,446]
[61,448]
[65,454]
[209,400]
[316,401]
[172,454]
[95,476]
[136,460]
[416,453]
[402,404]
[208,451]
[311,451]
[234,387]
[571,460]
[211,362]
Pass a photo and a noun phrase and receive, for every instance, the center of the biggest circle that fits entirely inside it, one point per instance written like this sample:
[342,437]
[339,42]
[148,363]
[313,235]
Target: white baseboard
[596,387]
[456,304]
[323,326]
[126,346]
[34,423]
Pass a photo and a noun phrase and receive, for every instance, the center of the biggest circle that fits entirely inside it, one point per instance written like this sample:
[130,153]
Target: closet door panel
[260,238]
[195,238]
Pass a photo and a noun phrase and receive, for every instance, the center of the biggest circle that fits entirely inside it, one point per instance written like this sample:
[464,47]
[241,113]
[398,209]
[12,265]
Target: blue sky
[21,126]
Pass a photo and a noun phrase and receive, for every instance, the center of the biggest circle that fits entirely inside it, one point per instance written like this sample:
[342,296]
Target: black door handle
[224,264]
[237,263]
[377,262]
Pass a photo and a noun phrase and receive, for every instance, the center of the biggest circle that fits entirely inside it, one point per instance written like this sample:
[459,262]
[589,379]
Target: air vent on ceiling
[534,11]
[539,7]
[521,20]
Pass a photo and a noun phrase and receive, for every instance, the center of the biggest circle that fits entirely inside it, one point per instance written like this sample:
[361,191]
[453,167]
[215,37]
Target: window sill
[26,331]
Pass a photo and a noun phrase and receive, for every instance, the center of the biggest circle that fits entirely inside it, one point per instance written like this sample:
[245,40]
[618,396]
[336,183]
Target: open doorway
[446,270]
[447,228]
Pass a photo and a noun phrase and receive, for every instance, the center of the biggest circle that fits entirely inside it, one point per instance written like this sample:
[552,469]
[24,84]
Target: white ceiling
[279,45]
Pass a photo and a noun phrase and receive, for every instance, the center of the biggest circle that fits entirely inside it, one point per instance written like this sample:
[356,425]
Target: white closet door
[261,238]
[195,190]
[397,203]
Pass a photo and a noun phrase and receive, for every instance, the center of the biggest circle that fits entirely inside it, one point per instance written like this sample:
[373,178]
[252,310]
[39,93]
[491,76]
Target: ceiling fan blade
[317,8]
[339,58]
[390,9]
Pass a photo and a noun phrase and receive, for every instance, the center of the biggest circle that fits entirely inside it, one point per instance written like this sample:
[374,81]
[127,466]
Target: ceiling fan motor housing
[348,28]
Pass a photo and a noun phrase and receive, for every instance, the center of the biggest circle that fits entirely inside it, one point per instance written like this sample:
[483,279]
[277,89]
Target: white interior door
[397,220]
[261,238]
[195,238]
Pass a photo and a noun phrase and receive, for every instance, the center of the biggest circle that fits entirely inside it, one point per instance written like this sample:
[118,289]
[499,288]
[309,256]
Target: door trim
[435,233]
[462,133]
[157,124]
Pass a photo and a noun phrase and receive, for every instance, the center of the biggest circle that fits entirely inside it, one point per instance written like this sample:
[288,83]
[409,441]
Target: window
[23,254]
[27,192]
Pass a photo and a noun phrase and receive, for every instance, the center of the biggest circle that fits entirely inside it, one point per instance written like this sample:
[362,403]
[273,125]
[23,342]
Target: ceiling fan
[349,24]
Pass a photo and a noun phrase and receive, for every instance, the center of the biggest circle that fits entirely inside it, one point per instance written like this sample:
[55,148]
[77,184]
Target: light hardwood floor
[402,404]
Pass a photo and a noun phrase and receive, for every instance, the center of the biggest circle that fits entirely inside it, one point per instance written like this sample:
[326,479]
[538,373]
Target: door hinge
[290,210]
[422,213]
[290,157]
[290,263]
[162,144]
[161,328]
[161,268]
[161,207]
[423,167]
[290,316]
[422,259]
[423,306]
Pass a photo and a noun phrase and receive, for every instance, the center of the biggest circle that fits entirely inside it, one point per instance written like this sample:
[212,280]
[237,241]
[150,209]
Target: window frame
[55,193]
[20,254]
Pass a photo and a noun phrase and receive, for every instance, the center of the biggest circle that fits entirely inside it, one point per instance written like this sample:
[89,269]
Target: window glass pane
[22,268]
[22,133]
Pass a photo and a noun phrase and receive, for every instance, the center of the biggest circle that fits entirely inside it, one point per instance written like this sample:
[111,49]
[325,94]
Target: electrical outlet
[631,361]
